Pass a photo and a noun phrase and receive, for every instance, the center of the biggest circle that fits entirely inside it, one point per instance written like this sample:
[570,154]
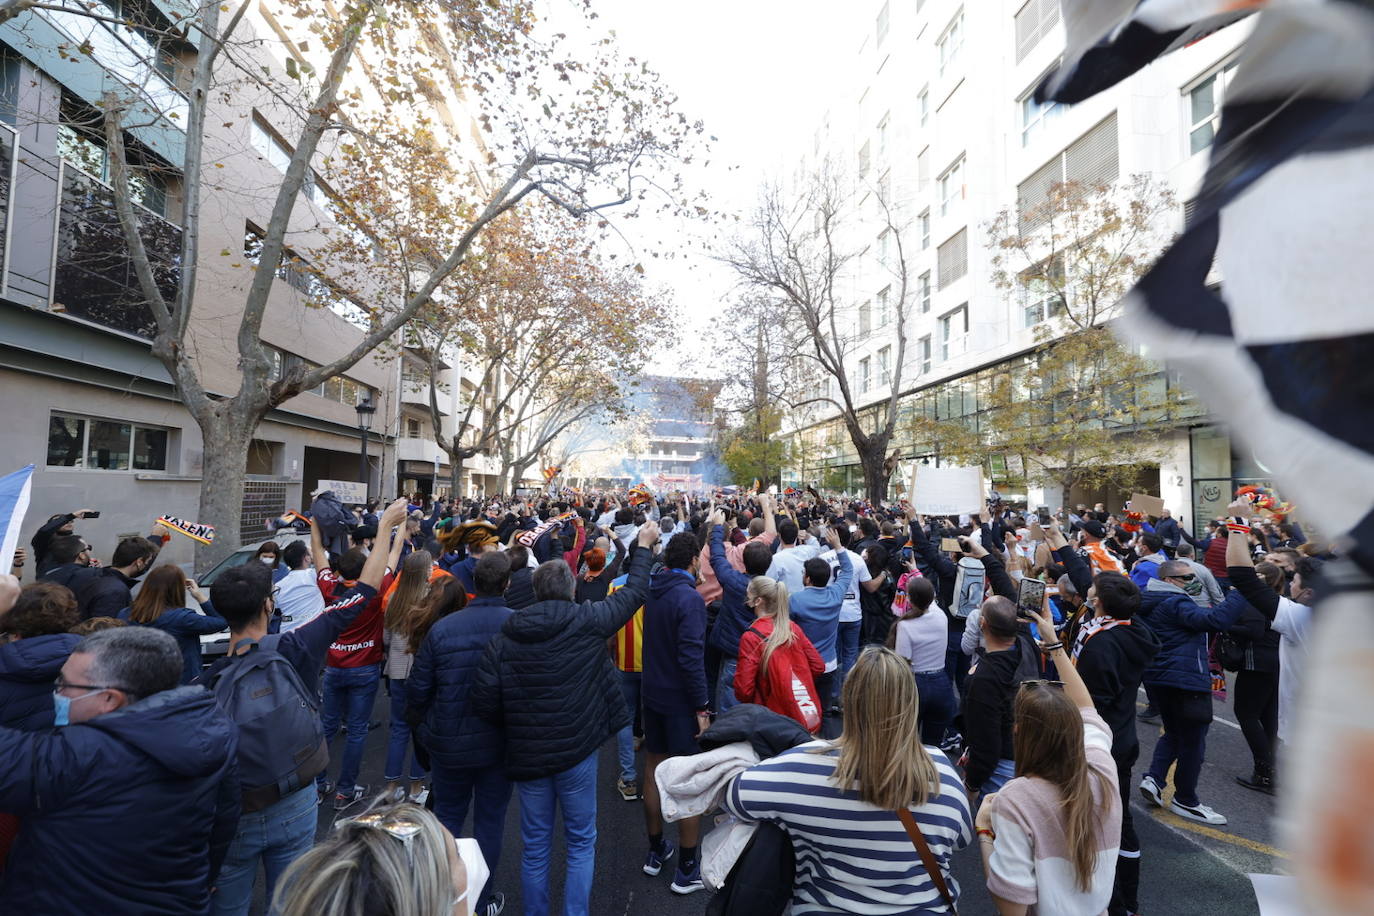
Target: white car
[213,645]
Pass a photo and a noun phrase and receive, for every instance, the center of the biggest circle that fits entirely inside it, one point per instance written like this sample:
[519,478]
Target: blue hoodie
[130,812]
[674,678]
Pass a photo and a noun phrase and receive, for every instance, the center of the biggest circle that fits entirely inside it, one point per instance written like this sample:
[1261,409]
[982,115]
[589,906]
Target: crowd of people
[888,689]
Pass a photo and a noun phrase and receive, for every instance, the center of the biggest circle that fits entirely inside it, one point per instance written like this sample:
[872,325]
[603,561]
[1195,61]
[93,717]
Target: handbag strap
[927,857]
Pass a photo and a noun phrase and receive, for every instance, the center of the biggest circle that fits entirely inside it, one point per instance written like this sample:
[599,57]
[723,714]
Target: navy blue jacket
[520,592]
[1182,626]
[27,669]
[131,812]
[733,618]
[1168,530]
[104,595]
[674,654]
[185,626]
[72,575]
[440,682]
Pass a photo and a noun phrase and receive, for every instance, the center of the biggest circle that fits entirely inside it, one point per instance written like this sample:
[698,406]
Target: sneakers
[628,790]
[494,908]
[687,882]
[1149,714]
[418,798]
[1200,813]
[323,792]
[342,801]
[1257,783]
[1153,792]
[653,862]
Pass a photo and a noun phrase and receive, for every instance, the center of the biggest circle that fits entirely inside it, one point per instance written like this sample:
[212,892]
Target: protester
[60,525]
[520,592]
[627,651]
[110,591]
[595,578]
[676,704]
[851,610]
[34,644]
[404,610]
[548,681]
[269,554]
[285,749]
[130,804]
[786,565]
[161,603]
[465,751]
[733,617]
[841,803]
[1006,658]
[1048,837]
[816,608]
[778,665]
[1095,551]
[920,637]
[69,562]
[1209,593]
[297,592]
[1255,698]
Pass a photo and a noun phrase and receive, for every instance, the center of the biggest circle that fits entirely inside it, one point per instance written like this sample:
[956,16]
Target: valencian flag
[641,495]
[14,503]
[552,471]
[1281,350]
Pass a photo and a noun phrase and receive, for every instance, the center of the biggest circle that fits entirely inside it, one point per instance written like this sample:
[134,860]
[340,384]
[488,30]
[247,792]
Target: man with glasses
[1180,683]
[129,805]
[69,562]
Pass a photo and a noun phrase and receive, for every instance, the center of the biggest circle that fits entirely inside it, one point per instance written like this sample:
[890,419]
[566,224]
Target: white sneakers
[1154,794]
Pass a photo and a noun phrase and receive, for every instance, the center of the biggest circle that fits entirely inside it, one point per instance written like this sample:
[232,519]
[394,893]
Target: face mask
[268,559]
[62,706]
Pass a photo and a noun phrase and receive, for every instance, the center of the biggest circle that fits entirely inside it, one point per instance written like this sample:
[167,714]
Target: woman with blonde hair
[405,610]
[390,861]
[875,782]
[777,664]
[1050,837]
[161,604]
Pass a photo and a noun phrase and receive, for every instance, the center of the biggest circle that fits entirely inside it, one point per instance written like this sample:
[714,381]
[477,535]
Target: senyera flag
[14,502]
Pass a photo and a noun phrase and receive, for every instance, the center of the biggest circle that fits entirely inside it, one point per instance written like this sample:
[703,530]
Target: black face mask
[1289,574]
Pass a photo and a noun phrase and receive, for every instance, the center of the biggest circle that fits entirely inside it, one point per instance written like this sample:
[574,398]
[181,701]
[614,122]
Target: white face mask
[268,559]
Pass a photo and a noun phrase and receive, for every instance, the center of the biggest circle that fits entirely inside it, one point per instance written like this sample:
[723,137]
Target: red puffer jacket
[789,686]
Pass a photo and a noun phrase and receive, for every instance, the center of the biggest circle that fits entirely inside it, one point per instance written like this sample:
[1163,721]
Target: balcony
[419,449]
[93,274]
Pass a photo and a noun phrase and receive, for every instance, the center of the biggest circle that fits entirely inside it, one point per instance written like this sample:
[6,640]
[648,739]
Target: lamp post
[365,410]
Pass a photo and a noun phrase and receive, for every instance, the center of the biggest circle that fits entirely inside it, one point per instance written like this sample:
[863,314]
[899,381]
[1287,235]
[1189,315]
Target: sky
[760,74]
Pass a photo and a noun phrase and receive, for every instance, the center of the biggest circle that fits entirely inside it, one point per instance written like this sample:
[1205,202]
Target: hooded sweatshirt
[130,812]
[1112,664]
[1182,627]
[674,677]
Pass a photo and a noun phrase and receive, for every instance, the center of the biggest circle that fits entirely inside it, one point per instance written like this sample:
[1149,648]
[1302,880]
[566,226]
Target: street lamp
[365,410]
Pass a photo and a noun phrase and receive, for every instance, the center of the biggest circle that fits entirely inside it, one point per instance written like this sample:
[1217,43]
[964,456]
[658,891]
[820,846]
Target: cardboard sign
[950,545]
[947,490]
[350,493]
[1150,505]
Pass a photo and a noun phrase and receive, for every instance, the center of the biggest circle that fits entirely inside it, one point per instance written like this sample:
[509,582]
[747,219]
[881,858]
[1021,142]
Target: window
[923,169]
[884,15]
[1033,23]
[923,104]
[865,319]
[882,136]
[884,238]
[885,366]
[865,375]
[1204,107]
[884,306]
[278,155]
[951,259]
[925,292]
[954,333]
[1091,160]
[863,159]
[952,186]
[951,41]
[81,142]
[885,188]
[925,229]
[923,353]
[1036,115]
[108,445]
[412,428]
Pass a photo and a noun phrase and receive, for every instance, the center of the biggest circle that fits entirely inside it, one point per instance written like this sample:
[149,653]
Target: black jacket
[104,595]
[1261,643]
[768,732]
[988,706]
[27,669]
[1112,664]
[43,538]
[520,592]
[549,683]
[72,575]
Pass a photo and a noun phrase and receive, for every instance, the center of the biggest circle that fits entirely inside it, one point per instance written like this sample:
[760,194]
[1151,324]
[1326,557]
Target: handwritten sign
[1150,505]
[947,490]
[349,492]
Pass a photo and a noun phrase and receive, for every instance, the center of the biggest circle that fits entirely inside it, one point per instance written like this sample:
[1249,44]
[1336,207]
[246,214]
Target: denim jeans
[348,694]
[938,706]
[399,742]
[625,738]
[847,644]
[278,834]
[1182,741]
[725,684]
[487,790]
[1001,775]
[573,790]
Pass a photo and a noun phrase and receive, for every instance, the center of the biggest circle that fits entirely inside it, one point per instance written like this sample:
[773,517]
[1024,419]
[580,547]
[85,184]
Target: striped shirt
[628,646]
[853,857]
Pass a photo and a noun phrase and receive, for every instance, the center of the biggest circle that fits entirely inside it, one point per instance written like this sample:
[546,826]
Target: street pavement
[1185,868]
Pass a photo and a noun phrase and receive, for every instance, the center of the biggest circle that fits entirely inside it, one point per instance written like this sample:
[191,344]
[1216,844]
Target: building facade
[940,116]
[675,450]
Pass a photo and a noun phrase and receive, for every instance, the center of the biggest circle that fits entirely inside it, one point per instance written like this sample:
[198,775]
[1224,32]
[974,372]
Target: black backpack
[1232,651]
[281,742]
[760,882]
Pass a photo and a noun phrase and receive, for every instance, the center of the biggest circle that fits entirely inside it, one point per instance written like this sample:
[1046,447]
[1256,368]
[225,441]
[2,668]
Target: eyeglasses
[1188,578]
[1042,682]
[60,684]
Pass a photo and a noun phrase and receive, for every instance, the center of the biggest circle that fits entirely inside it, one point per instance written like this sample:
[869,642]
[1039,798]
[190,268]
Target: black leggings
[1256,702]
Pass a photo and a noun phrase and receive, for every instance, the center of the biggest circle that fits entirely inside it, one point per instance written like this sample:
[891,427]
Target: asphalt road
[1185,868]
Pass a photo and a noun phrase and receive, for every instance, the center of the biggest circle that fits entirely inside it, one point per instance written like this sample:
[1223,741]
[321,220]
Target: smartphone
[91,515]
[1030,597]
[908,554]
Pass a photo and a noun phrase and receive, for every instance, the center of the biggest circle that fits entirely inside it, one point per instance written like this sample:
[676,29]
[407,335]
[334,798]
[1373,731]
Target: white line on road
[1216,718]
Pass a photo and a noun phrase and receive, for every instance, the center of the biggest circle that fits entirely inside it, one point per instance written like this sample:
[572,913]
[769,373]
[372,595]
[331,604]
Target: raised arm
[613,613]
[317,551]
[375,567]
[1079,573]
[998,579]
[1074,688]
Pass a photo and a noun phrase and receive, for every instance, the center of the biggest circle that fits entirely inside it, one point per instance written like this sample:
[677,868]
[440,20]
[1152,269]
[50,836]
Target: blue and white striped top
[853,857]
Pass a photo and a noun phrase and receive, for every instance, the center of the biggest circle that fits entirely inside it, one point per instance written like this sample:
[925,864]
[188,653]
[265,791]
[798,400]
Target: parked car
[213,645]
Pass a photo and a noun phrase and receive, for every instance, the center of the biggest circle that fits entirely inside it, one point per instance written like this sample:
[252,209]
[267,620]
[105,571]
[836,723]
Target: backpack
[760,883]
[281,742]
[807,707]
[1233,652]
[970,585]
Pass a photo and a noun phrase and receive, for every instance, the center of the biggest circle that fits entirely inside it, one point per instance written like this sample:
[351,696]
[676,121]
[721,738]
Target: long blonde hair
[881,756]
[361,868]
[407,601]
[1048,743]
[773,594]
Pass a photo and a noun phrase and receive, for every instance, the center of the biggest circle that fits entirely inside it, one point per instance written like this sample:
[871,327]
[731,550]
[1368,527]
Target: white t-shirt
[1291,621]
[298,597]
[923,640]
[850,611]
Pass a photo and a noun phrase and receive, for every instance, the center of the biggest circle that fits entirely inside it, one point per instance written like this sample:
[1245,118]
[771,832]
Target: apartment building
[84,399]
[675,452]
[940,115]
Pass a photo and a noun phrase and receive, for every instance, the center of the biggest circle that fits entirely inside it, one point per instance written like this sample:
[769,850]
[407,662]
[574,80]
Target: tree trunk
[875,468]
[456,477]
[517,474]
[224,465]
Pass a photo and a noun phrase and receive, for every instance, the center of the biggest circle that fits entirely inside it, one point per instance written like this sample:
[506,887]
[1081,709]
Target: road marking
[1169,819]
[1215,717]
